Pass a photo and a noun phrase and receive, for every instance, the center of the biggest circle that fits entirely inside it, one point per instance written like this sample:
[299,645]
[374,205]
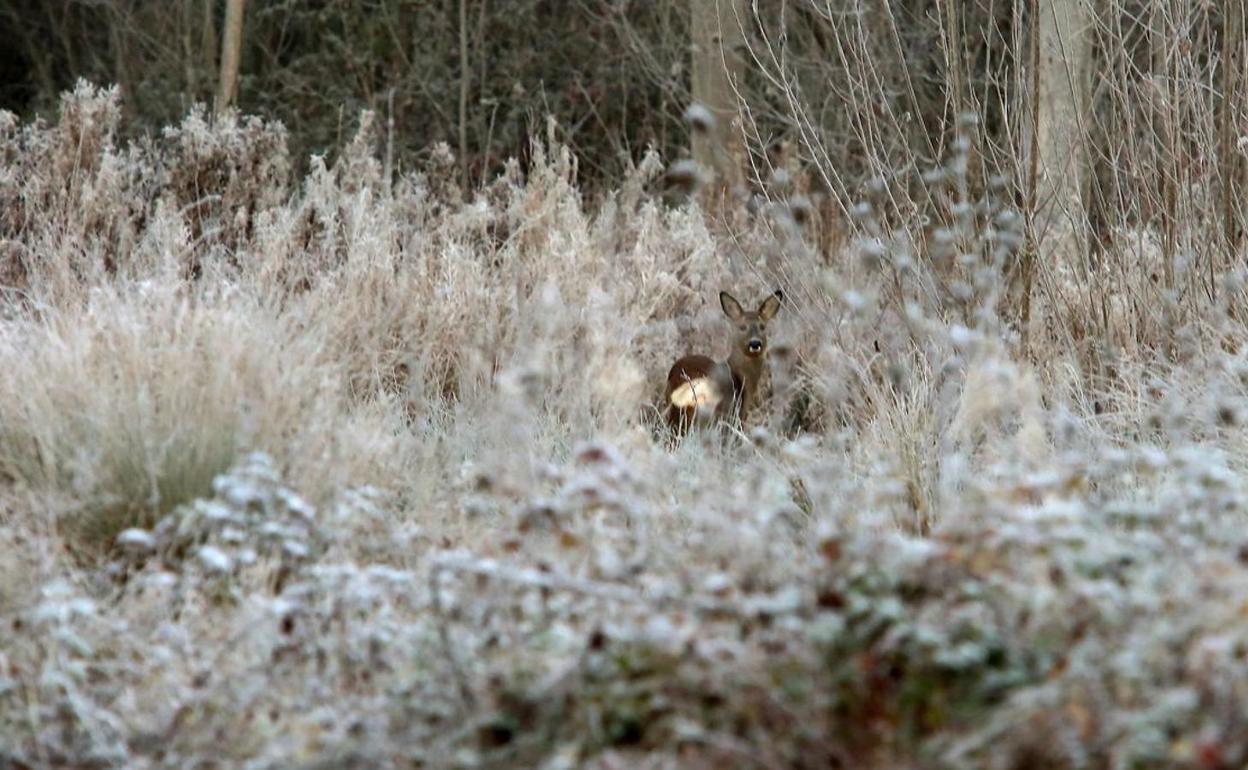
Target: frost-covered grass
[335,473]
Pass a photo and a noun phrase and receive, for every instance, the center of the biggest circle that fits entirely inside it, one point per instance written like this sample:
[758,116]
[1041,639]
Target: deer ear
[771,306]
[731,307]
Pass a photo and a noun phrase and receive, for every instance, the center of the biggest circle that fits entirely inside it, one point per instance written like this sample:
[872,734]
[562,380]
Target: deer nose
[754,346]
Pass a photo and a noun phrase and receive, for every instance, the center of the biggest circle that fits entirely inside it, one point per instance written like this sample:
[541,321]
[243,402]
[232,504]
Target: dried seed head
[801,209]
[214,559]
[136,541]
[873,253]
[1008,219]
[686,176]
[961,337]
[700,119]
[780,180]
[854,300]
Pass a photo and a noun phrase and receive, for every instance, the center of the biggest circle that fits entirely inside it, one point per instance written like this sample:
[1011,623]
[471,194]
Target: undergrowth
[329,472]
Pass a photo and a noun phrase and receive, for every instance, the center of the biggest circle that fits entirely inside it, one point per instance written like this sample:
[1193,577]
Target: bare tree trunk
[117,44]
[464,73]
[1057,140]
[1166,132]
[208,48]
[954,45]
[1231,164]
[716,67]
[186,15]
[388,169]
[231,47]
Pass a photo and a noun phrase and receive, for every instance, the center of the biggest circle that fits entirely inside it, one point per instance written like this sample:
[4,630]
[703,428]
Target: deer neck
[748,370]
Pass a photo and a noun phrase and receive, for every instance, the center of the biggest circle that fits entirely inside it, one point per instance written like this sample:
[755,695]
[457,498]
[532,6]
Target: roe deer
[701,390]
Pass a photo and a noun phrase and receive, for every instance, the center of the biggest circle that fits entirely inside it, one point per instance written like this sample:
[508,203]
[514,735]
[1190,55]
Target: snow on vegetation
[346,472]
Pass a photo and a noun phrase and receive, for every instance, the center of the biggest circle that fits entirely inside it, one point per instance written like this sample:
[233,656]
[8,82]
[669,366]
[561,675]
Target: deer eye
[743,327]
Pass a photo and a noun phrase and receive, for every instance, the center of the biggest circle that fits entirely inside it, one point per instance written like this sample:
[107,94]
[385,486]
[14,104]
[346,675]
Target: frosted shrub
[251,522]
[220,177]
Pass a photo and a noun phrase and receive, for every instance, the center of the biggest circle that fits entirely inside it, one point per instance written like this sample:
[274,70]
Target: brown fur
[701,390]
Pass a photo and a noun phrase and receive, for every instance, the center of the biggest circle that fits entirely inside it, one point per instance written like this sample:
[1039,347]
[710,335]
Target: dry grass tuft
[137,399]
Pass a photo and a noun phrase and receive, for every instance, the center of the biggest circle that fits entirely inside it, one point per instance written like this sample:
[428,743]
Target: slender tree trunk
[1060,53]
[186,16]
[207,48]
[121,73]
[954,46]
[231,48]
[1063,53]
[717,65]
[1231,163]
[388,169]
[1032,153]
[465,73]
[1165,132]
